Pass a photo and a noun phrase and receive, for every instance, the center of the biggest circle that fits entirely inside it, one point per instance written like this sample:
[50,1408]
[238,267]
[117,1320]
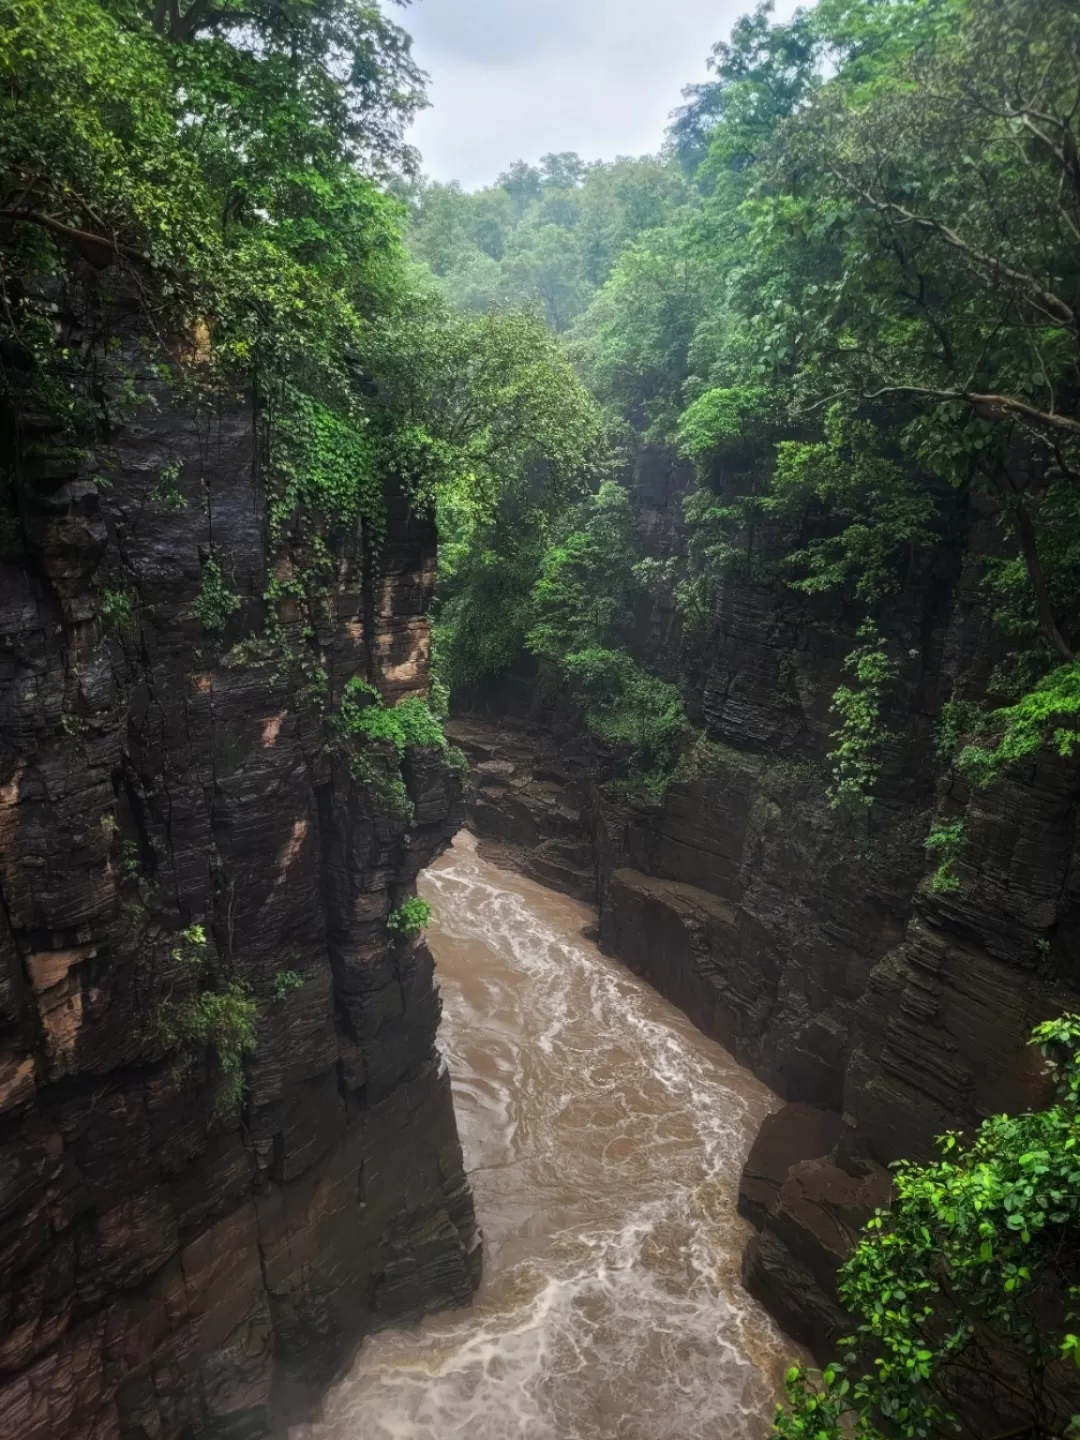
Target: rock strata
[172,1265]
[531,803]
[812,942]
[786,1138]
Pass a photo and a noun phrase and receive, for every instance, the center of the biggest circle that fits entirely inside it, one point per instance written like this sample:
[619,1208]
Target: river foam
[604,1138]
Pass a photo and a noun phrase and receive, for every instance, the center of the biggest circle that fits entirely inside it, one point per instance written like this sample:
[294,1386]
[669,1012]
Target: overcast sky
[515,79]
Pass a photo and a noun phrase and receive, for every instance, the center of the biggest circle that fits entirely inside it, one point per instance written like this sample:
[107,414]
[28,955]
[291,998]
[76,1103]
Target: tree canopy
[226,170]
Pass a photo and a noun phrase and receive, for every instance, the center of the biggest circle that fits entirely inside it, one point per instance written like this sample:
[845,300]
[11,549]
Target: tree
[965,1288]
[212,156]
[546,237]
[632,344]
[895,253]
[523,183]
[947,177]
[761,74]
[584,594]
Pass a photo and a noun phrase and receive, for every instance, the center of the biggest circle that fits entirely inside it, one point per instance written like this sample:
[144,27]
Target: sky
[515,79]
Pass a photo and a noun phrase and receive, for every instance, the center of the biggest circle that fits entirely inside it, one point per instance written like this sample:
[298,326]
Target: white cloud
[515,79]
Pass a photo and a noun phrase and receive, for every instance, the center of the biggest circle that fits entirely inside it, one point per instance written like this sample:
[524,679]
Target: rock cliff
[172,1265]
[811,943]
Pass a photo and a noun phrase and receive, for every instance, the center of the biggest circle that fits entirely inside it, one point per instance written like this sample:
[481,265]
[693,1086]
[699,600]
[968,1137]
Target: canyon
[172,1266]
[665,566]
[168,1267]
[603,1136]
[812,943]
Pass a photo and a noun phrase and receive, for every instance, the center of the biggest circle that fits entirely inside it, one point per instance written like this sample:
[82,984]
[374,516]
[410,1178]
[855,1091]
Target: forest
[846,292]
[828,277]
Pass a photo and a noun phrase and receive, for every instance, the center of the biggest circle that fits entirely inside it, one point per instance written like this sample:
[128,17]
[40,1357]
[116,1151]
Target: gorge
[157,1255]
[654,581]
[821,958]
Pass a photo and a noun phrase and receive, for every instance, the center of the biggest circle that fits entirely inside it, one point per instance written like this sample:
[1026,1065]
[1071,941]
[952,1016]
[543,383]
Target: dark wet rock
[793,1134]
[168,1268]
[531,802]
[806,1236]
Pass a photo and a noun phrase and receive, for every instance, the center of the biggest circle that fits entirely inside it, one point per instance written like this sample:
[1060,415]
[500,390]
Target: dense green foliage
[964,1289]
[892,212]
[375,739]
[411,916]
[212,154]
[562,587]
[554,572]
[545,236]
[853,302]
[215,1017]
[364,716]
[224,166]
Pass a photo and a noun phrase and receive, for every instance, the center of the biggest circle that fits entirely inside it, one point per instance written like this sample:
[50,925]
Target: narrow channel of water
[604,1137]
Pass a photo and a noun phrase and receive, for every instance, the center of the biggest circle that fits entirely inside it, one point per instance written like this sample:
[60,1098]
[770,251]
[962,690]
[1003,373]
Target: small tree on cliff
[965,1289]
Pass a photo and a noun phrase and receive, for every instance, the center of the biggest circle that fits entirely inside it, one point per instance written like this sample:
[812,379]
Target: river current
[604,1137]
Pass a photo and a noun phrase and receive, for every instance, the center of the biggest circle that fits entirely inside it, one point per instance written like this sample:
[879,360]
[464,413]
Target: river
[604,1137]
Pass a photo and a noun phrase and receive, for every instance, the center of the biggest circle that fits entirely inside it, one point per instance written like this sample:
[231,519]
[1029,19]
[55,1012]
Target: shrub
[411,916]
[285,982]
[627,706]
[215,602]
[946,840]
[409,722]
[222,1020]
[117,610]
[856,755]
[1048,714]
[978,1257]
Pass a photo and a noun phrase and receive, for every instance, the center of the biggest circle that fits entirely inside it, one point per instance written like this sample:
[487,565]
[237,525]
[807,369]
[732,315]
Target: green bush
[411,916]
[947,841]
[1048,715]
[365,727]
[409,722]
[626,706]
[977,1257]
[215,602]
[117,610]
[221,1020]
[480,628]
[858,741]
[285,982]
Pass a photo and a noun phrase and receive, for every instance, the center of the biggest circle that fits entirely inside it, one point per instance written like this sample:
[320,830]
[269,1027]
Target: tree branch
[991,407]
[185,26]
[85,239]
[995,267]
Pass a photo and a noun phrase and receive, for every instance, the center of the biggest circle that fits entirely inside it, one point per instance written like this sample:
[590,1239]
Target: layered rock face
[810,941]
[172,1265]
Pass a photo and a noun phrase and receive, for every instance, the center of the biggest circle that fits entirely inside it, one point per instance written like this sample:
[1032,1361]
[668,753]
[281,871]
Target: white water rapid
[604,1138]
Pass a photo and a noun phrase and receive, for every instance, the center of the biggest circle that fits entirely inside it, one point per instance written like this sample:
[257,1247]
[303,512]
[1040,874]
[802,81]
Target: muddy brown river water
[604,1138]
